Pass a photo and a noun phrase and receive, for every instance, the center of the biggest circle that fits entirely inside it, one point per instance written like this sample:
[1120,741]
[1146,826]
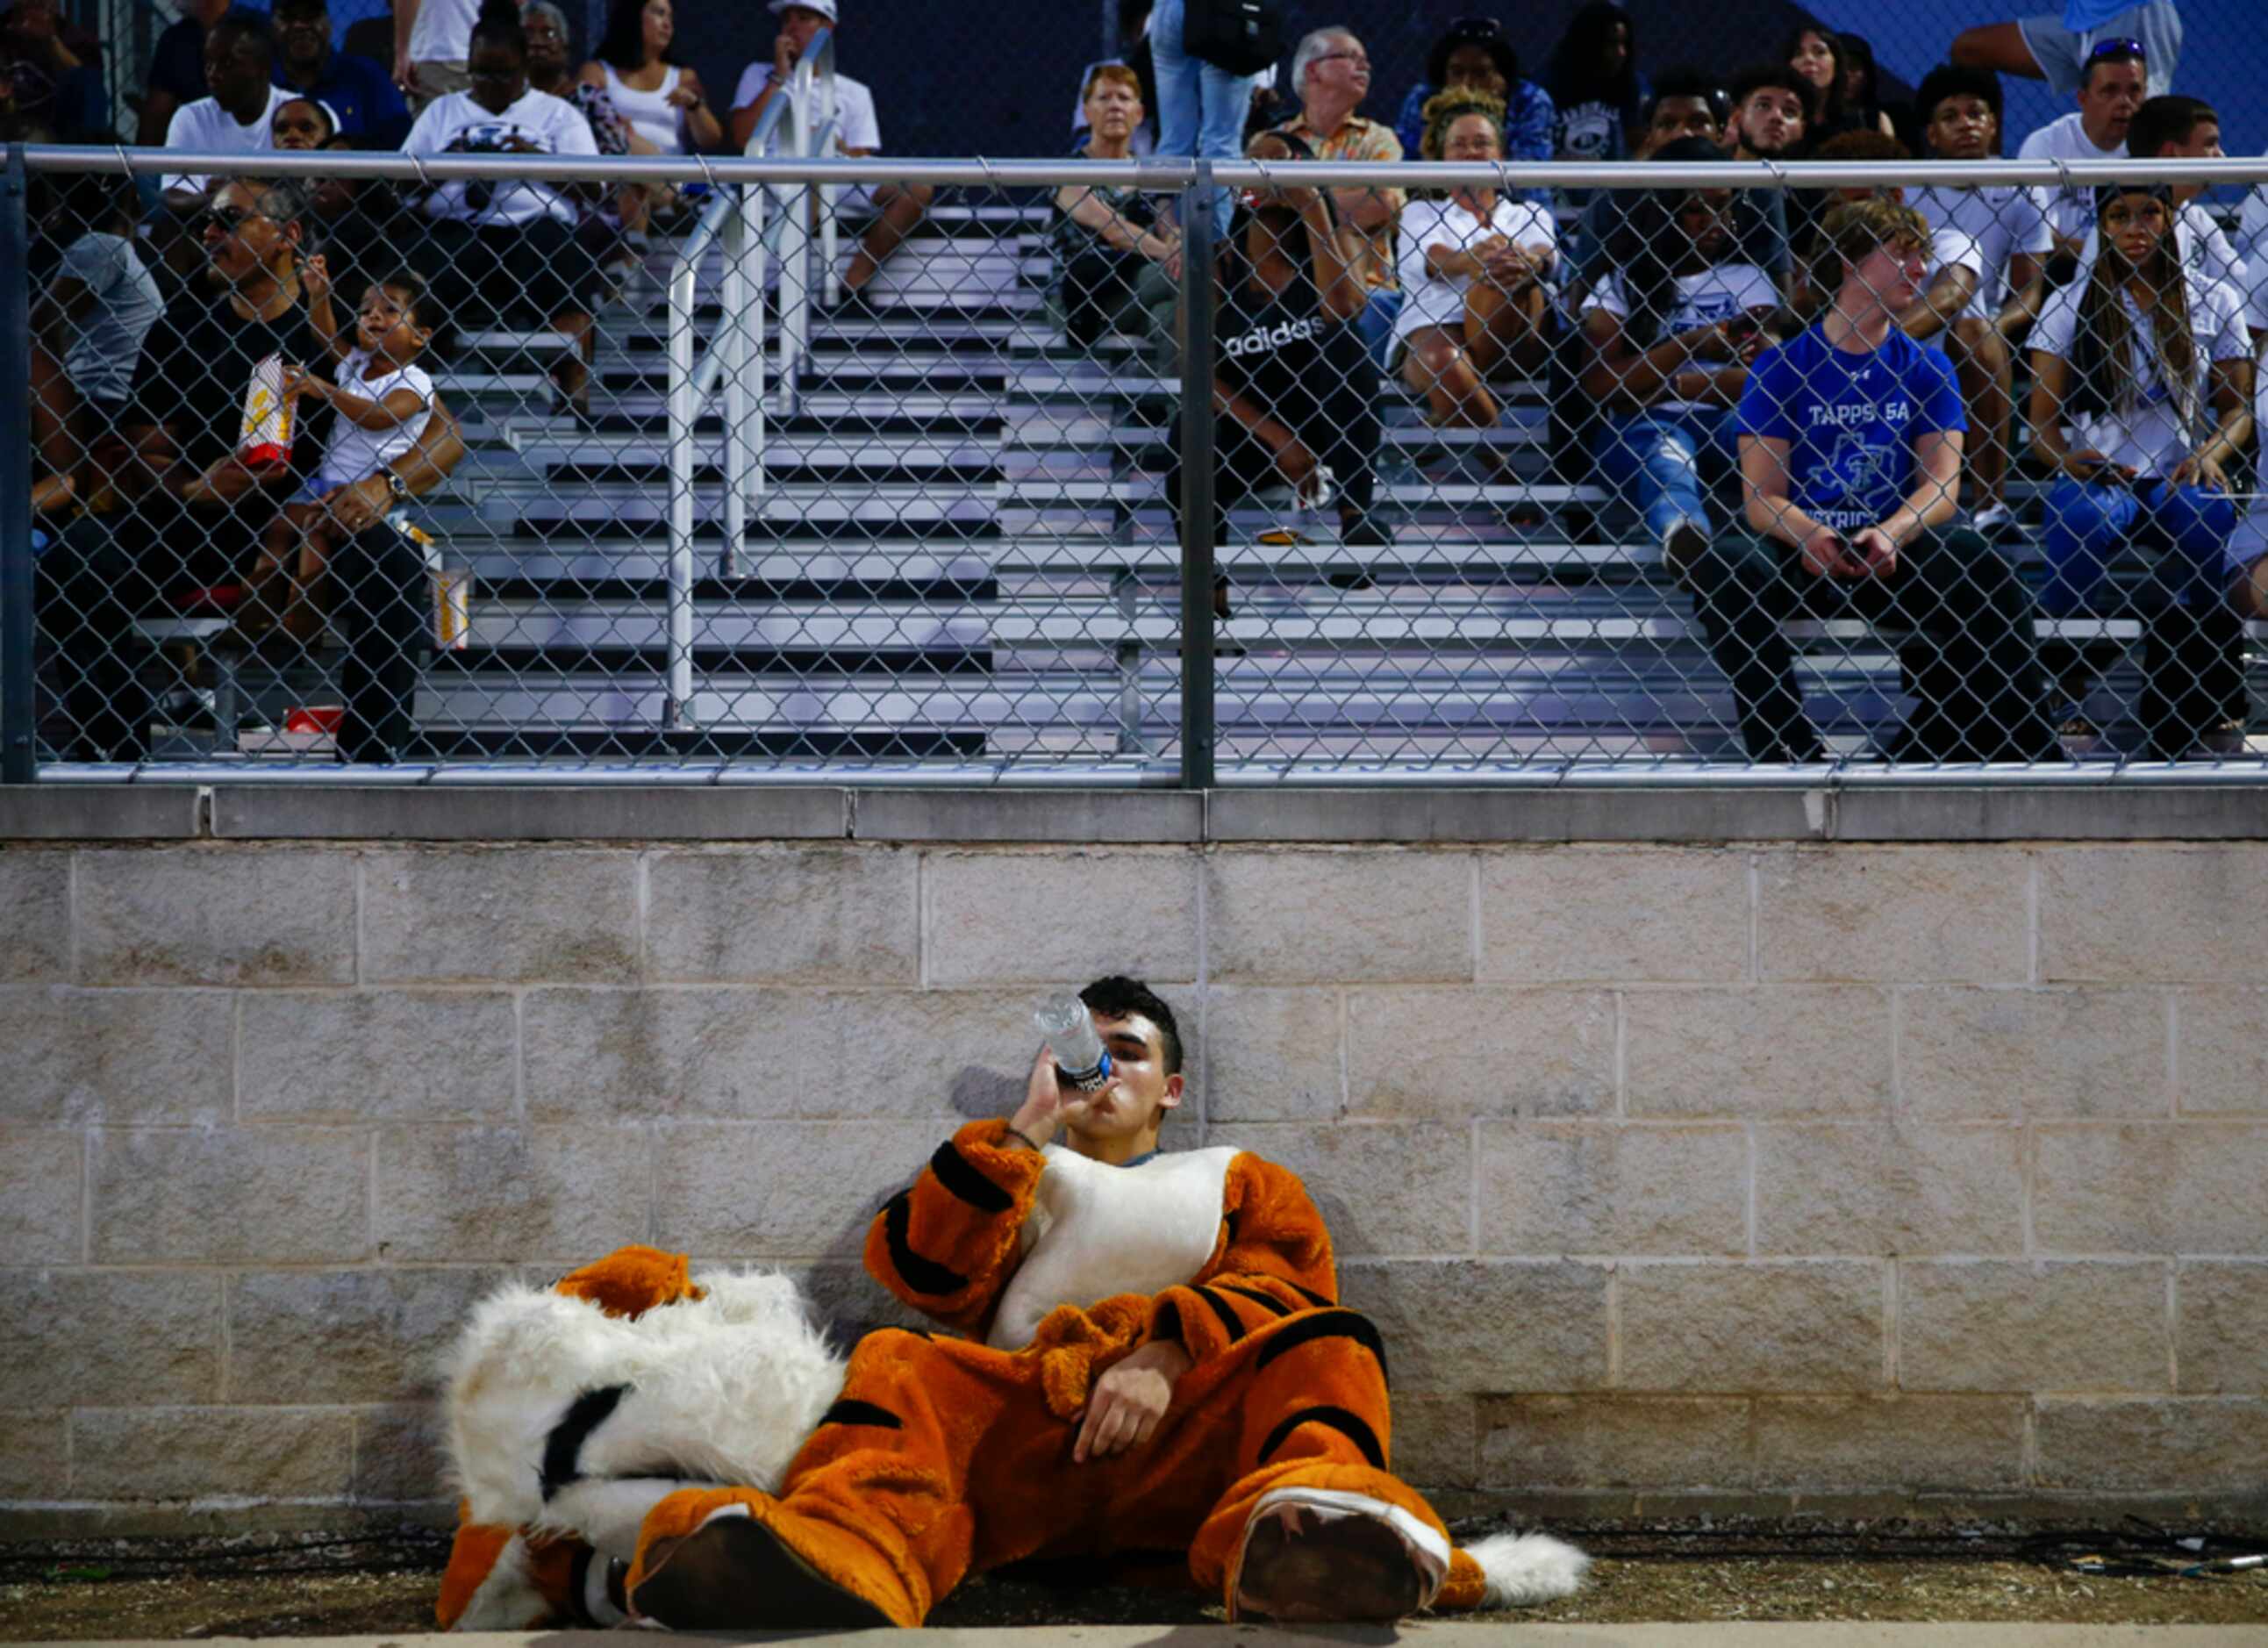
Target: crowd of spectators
[1657,314]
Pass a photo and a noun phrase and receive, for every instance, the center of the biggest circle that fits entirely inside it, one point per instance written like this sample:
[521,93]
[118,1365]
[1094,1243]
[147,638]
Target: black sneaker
[853,305]
[1682,546]
[1365,532]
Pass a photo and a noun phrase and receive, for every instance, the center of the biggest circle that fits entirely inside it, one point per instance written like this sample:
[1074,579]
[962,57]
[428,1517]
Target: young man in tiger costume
[1155,1357]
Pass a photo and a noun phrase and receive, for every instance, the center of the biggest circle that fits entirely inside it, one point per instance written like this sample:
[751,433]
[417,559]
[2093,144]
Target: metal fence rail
[689,513]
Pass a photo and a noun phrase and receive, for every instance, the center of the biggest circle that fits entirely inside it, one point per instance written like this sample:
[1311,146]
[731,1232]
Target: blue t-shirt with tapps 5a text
[1849,420]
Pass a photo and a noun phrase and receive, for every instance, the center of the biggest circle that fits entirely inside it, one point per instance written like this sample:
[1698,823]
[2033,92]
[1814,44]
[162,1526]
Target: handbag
[1241,36]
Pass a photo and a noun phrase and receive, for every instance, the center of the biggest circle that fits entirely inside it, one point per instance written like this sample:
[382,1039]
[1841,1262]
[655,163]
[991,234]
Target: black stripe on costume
[1268,1301]
[851,1411]
[1332,1323]
[923,1276]
[1229,1321]
[1353,1426]
[563,1449]
[958,1174]
[1311,1296]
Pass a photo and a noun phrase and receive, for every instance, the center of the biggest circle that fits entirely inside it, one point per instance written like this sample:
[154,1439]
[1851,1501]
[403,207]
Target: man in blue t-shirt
[1849,444]
[360,93]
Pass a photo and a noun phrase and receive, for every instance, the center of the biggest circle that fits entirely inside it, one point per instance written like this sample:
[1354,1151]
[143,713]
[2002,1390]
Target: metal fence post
[1197,708]
[18,759]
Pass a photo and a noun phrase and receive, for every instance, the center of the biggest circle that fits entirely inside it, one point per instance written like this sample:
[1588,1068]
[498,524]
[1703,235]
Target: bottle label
[1088,1081]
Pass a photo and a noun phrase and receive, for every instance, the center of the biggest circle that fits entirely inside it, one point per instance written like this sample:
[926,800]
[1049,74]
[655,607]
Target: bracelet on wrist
[1029,1142]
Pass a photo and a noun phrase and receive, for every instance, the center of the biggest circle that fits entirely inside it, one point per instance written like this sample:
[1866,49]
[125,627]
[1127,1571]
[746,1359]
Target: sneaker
[1315,1555]
[1683,544]
[1365,532]
[853,305]
[1996,521]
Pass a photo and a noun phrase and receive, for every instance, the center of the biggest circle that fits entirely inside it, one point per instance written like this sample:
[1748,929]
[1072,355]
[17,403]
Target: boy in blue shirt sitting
[1849,449]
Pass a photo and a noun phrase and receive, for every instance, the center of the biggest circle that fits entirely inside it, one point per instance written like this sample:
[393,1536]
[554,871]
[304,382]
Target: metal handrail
[1149,173]
[734,221]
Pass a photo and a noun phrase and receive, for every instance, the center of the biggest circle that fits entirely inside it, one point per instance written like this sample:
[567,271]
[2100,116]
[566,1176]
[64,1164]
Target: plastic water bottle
[1069,1030]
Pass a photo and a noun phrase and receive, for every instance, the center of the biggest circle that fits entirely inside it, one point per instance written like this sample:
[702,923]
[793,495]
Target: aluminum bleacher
[963,550]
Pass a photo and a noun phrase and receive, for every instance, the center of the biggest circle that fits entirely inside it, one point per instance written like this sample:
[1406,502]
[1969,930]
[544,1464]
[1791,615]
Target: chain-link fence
[1038,471]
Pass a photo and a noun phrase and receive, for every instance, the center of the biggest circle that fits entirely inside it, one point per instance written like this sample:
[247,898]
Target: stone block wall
[1759,1175]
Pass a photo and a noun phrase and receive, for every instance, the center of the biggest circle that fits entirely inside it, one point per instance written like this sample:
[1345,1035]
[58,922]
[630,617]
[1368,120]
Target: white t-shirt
[1980,230]
[105,341]
[2149,435]
[1430,300]
[855,125]
[2250,542]
[2069,211]
[455,124]
[442,32]
[355,454]
[1703,300]
[205,127]
[2252,247]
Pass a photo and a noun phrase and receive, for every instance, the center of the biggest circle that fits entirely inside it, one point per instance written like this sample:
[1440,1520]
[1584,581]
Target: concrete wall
[1735,1174]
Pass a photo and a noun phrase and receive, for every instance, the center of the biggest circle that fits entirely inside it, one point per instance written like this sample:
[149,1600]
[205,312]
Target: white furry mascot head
[570,1411]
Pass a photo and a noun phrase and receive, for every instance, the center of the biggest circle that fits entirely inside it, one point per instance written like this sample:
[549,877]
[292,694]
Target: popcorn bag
[265,440]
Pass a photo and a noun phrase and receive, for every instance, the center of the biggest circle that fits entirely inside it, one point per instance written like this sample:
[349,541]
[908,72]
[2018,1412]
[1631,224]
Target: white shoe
[1994,520]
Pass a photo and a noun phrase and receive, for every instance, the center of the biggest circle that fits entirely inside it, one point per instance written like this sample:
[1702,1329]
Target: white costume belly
[1095,1231]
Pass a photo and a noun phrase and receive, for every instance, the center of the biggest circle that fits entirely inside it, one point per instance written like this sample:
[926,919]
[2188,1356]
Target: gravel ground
[175,1589]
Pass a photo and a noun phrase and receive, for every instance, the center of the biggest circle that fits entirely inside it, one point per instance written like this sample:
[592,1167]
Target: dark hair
[79,201]
[1574,68]
[1862,143]
[1684,82]
[1118,996]
[330,121]
[1757,76]
[1643,251]
[417,299]
[1950,79]
[1473,31]
[238,27]
[277,8]
[2164,120]
[1826,106]
[1230,261]
[2109,51]
[623,44]
[1859,54]
[2103,376]
[499,25]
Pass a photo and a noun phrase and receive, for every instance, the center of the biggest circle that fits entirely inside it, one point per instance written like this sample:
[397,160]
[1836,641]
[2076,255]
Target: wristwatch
[399,487]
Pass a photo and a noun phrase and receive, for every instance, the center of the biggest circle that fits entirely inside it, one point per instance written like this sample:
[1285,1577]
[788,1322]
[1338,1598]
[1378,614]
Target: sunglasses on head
[228,220]
[2120,49]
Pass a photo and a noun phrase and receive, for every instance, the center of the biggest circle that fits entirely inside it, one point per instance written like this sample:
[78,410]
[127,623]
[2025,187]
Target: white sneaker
[1995,521]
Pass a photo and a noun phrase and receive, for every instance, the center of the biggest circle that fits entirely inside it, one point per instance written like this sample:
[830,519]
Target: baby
[382,399]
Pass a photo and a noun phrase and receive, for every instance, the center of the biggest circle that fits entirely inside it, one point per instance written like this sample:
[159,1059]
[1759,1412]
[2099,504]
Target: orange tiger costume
[944,1456]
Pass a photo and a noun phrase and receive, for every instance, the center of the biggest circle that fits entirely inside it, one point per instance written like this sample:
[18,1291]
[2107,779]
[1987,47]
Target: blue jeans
[1376,322]
[1201,109]
[1654,461]
[2089,523]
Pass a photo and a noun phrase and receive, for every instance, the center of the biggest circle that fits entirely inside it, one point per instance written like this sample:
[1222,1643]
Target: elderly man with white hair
[1330,74]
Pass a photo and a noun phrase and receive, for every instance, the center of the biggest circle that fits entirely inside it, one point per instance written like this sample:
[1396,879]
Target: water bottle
[1080,1061]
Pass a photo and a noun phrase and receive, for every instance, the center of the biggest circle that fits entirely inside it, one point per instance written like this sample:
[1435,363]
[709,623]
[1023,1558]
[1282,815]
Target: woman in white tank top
[663,103]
